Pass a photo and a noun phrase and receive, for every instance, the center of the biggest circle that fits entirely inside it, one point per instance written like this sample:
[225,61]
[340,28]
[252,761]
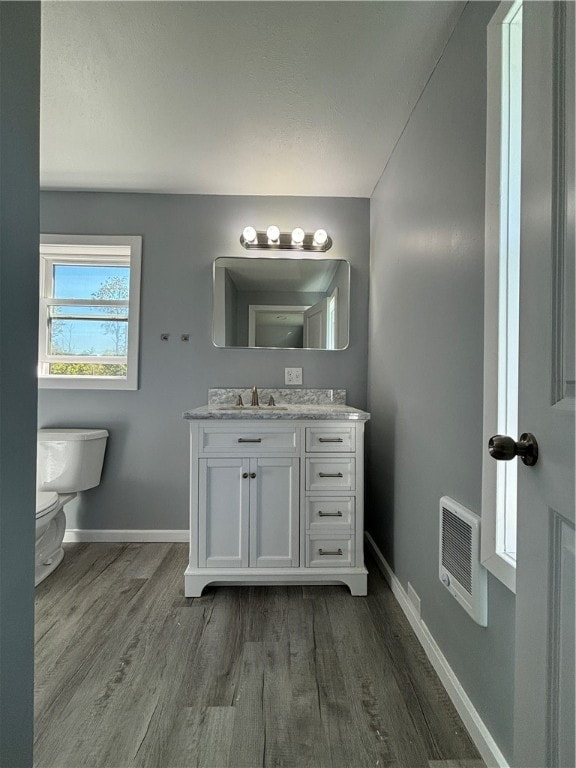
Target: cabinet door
[223,497]
[274,508]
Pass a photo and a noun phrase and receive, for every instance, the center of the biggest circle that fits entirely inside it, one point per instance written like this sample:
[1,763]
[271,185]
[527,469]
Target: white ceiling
[242,98]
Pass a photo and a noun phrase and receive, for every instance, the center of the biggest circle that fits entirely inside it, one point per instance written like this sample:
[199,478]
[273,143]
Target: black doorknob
[503,448]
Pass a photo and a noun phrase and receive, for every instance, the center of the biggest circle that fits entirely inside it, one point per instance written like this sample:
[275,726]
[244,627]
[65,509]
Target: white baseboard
[116,535]
[478,731]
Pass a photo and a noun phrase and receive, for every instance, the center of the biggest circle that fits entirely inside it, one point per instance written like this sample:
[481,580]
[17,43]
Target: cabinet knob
[252,475]
[244,475]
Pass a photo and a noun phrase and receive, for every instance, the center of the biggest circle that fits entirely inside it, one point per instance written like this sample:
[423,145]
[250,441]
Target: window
[502,286]
[89,312]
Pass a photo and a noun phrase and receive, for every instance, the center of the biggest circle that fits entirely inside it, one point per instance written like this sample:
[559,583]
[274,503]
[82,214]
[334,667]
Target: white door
[316,325]
[223,501]
[274,508]
[544,683]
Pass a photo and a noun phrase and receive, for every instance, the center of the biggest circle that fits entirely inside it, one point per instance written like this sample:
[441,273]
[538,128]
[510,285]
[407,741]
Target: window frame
[96,250]
[501,304]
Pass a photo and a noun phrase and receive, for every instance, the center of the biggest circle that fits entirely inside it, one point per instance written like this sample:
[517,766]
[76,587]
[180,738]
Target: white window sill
[85,382]
[502,567]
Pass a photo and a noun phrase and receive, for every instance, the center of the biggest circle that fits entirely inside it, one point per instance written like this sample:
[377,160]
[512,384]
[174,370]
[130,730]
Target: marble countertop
[316,404]
[282,411]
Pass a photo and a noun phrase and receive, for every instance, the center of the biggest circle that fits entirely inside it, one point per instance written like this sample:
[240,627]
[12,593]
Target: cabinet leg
[358,584]
[194,585]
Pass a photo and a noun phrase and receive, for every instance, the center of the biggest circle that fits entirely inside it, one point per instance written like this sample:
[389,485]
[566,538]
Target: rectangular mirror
[282,303]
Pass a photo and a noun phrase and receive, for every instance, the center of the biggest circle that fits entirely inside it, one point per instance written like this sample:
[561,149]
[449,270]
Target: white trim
[476,727]
[497,479]
[118,535]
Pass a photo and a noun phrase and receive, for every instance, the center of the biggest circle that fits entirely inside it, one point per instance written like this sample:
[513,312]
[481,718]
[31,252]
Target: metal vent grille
[457,548]
[459,565]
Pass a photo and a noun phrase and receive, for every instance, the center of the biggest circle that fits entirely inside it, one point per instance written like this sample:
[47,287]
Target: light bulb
[320,237]
[298,236]
[273,233]
[249,235]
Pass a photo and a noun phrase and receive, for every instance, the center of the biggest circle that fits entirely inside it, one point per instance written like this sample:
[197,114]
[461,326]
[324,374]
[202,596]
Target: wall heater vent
[460,569]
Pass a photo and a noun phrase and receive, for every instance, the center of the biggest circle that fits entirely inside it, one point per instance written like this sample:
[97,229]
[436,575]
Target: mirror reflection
[283,303]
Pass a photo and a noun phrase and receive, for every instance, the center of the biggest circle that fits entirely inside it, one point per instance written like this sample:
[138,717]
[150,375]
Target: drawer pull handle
[329,514]
[330,552]
[249,439]
[328,474]
[330,440]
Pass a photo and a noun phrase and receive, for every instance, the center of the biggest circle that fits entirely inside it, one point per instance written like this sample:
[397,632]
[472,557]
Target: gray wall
[19,99]
[426,359]
[145,480]
[230,304]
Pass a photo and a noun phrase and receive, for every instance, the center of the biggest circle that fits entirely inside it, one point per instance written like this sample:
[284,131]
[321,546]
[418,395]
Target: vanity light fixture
[298,236]
[297,240]
[273,233]
[320,237]
[249,235]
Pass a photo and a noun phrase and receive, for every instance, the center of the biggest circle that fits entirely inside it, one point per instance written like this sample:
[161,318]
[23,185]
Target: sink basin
[251,408]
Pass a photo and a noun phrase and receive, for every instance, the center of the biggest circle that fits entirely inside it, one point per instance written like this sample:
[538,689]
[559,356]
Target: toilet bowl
[68,461]
[50,529]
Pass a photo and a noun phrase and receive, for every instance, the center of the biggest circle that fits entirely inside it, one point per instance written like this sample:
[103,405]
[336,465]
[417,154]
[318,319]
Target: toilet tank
[69,460]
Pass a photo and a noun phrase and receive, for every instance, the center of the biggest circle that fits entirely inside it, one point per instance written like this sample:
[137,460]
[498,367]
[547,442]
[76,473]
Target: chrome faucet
[255,396]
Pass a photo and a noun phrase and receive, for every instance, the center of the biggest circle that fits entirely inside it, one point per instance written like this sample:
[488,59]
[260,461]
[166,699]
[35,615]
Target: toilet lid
[46,501]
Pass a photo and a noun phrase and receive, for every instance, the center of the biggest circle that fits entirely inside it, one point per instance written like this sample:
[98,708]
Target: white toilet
[68,461]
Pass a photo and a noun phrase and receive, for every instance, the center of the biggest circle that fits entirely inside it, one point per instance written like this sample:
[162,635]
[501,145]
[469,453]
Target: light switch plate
[293,375]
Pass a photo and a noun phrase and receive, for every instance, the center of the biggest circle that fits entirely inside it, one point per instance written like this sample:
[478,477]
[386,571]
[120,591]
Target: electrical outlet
[293,375]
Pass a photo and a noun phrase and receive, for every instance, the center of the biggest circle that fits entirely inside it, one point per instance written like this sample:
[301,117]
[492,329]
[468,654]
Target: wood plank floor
[131,674]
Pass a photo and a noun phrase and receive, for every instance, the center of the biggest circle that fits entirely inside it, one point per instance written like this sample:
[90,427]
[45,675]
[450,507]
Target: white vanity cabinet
[276,502]
[249,512]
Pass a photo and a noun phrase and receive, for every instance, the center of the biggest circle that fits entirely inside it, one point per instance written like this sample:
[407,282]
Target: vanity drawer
[335,512]
[331,439]
[248,440]
[324,474]
[336,550]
